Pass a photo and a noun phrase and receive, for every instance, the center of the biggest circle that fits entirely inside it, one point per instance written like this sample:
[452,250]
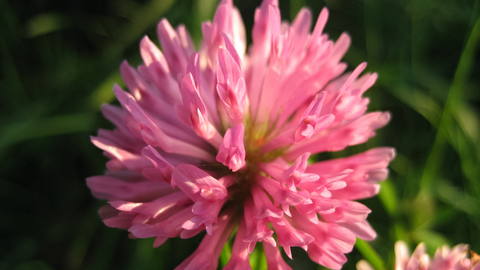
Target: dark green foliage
[58,63]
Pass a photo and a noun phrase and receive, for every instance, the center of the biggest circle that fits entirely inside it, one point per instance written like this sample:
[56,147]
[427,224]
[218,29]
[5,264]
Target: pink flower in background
[444,259]
[220,139]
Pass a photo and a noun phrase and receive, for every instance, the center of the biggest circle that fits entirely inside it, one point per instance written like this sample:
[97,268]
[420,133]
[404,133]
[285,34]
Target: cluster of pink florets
[220,139]
[444,259]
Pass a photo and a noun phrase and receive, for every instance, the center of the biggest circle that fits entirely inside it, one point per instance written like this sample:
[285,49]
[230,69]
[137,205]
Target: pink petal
[288,236]
[163,169]
[348,212]
[197,184]
[239,259]
[154,208]
[280,195]
[112,188]
[256,230]
[170,227]
[232,150]
[123,220]
[274,258]
[193,113]
[231,85]
[131,161]
[172,47]
[211,246]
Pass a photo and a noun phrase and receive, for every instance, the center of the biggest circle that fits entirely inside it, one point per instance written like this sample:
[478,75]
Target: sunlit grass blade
[257,259]
[46,23]
[432,239]
[35,128]
[226,254]
[388,197]
[104,92]
[295,6]
[370,254]
[418,101]
[453,100]
[458,199]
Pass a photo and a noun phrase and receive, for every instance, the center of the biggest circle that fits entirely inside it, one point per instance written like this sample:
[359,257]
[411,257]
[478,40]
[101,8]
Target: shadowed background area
[60,59]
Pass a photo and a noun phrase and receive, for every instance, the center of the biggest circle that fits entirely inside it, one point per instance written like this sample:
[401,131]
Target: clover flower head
[219,139]
[444,259]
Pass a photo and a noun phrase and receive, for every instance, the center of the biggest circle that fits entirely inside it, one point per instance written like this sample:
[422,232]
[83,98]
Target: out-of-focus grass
[59,60]
[370,254]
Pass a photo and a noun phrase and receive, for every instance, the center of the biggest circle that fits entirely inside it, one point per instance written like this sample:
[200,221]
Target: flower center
[255,137]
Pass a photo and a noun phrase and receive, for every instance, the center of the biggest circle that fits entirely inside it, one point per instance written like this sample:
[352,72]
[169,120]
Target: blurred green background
[59,60]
